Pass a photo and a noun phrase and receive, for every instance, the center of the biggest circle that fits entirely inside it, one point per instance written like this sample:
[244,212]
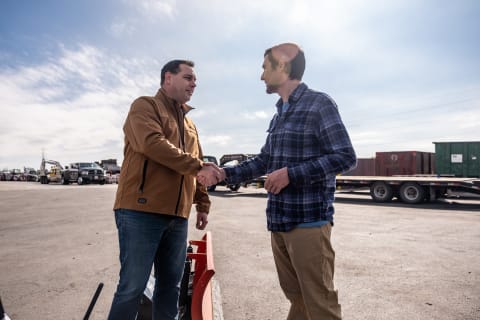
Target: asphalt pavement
[393,261]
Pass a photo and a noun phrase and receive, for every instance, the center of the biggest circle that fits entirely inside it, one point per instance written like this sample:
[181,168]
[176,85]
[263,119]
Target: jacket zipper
[179,195]
[181,129]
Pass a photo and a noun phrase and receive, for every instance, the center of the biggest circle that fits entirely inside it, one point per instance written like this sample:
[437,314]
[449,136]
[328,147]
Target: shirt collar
[294,96]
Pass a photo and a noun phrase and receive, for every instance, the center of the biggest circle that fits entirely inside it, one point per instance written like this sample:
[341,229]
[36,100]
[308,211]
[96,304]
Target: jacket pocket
[144,176]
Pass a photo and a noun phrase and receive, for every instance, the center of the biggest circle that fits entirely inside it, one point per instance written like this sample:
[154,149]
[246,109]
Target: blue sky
[403,73]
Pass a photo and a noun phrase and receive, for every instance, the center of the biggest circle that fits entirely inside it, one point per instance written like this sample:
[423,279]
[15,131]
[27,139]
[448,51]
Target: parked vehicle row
[28,174]
[52,171]
[77,172]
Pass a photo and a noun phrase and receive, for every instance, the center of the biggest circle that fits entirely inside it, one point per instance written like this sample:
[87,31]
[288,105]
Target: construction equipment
[55,173]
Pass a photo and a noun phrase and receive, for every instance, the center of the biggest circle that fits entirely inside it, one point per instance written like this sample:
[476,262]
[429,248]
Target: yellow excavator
[55,174]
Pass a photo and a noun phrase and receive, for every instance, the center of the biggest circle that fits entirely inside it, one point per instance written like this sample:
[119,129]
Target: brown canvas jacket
[159,168]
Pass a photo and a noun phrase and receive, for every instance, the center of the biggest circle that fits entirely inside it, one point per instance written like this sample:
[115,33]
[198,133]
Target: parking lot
[393,261]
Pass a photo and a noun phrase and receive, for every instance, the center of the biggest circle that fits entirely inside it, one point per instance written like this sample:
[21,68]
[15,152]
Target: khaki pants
[305,259]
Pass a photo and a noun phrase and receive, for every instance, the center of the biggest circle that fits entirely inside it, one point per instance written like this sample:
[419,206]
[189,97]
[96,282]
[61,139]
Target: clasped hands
[210,174]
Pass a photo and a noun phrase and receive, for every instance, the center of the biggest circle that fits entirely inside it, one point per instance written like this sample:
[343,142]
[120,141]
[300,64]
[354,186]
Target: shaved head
[291,56]
[285,52]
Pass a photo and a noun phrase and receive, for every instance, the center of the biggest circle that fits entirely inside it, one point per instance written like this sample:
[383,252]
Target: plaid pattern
[310,139]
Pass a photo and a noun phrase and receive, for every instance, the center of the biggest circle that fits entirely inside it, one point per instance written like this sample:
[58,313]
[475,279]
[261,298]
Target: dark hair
[174,67]
[297,65]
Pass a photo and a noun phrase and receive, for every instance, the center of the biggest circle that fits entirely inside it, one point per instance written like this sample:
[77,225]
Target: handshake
[210,174]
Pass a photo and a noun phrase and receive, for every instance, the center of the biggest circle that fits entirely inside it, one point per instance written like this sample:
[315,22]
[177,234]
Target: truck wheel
[381,192]
[411,192]
[64,181]
[80,181]
[234,187]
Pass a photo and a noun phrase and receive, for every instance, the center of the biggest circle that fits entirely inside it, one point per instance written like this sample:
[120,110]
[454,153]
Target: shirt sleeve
[247,170]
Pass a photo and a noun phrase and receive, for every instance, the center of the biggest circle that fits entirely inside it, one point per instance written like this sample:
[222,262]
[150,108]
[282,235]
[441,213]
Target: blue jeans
[149,239]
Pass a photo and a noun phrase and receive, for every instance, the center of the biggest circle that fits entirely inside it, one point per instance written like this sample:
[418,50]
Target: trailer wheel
[381,192]
[411,192]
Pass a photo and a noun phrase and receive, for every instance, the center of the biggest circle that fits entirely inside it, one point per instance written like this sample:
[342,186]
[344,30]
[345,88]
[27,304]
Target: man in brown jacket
[156,191]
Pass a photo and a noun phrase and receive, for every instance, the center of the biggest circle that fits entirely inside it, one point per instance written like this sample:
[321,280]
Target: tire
[234,187]
[381,192]
[411,192]
[64,181]
[80,181]
[211,188]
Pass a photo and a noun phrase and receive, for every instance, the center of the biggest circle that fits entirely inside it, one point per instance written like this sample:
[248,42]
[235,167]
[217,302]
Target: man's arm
[247,170]
[202,205]
[146,136]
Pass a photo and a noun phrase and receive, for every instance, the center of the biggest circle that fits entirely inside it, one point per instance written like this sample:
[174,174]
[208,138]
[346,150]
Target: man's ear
[285,67]
[168,77]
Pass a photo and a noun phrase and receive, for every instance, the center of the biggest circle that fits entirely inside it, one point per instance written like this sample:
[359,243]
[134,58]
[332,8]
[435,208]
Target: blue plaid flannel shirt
[310,139]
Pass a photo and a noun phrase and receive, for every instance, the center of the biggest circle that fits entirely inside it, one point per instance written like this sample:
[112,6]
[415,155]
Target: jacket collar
[162,95]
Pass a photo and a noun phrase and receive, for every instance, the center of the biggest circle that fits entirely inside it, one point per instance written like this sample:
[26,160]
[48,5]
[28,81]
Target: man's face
[273,77]
[182,84]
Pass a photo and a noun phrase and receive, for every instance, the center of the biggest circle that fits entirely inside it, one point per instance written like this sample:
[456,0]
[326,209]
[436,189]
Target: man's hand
[210,174]
[202,220]
[277,180]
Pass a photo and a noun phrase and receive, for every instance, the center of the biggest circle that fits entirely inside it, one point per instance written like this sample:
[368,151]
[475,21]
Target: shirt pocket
[294,140]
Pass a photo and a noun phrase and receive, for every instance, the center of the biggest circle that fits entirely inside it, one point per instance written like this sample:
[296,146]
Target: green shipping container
[459,159]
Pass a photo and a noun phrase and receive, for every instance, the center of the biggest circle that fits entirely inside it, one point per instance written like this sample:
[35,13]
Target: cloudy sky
[404,73]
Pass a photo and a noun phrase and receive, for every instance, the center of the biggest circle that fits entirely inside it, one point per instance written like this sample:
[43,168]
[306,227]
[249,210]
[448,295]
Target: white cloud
[154,9]
[72,106]
[218,140]
[256,115]
[121,29]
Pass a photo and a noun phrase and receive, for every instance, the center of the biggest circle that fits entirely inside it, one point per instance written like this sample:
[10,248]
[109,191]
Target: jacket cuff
[203,208]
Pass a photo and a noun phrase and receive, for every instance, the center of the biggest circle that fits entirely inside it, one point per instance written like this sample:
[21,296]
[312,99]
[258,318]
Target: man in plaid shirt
[306,147]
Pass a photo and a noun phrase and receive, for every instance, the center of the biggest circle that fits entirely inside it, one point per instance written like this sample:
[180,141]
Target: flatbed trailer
[409,189]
